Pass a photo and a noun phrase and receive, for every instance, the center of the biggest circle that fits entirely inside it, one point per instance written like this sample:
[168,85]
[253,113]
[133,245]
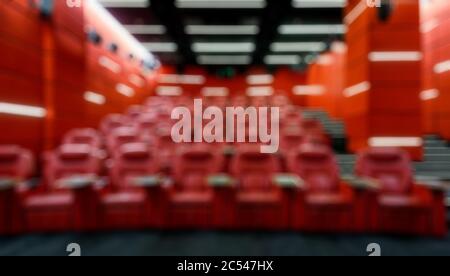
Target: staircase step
[437,157]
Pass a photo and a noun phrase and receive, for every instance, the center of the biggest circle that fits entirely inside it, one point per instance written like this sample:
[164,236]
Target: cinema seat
[67,199]
[133,198]
[111,122]
[261,202]
[402,206]
[121,136]
[86,136]
[16,166]
[324,203]
[166,148]
[134,112]
[291,139]
[195,202]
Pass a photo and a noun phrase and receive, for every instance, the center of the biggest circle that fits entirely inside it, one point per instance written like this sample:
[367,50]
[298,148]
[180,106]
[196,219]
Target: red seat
[16,166]
[166,147]
[134,112]
[261,204]
[192,201]
[85,136]
[67,200]
[121,136]
[111,122]
[401,206]
[126,204]
[325,203]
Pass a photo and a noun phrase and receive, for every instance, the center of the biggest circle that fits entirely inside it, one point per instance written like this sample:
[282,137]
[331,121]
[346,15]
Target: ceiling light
[215,92]
[169,91]
[312,29]
[125,3]
[260,91]
[224,60]
[260,79]
[319,3]
[309,90]
[161,47]
[298,47]
[222,29]
[182,79]
[146,29]
[221,4]
[282,60]
[218,47]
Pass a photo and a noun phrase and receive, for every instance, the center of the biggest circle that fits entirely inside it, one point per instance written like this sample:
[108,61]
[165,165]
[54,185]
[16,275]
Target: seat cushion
[265,198]
[127,199]
[403,201]
[327,199]
[50,201]
[192,198]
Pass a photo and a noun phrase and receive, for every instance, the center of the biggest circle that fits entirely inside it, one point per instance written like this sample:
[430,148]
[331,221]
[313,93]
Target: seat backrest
[111,122]
[391,166]
[317,166]
[86,136]
[312,126]
[134,112]
[193,165]
[15,162]
[291,138]
[121,136]
[72,160]
[254,169]
[133,160]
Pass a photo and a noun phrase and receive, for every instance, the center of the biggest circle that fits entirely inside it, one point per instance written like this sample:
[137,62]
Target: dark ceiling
[270,32]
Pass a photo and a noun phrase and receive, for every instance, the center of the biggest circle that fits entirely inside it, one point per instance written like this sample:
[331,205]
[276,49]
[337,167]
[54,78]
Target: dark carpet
[219,244]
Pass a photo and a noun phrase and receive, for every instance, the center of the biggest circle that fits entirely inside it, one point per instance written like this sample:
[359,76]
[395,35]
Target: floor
[218,244]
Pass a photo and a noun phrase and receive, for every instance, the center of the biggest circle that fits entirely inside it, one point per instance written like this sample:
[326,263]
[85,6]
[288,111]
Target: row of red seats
[312,197]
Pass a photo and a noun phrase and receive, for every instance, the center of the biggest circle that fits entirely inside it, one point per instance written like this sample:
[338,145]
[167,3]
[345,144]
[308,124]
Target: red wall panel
[390,107]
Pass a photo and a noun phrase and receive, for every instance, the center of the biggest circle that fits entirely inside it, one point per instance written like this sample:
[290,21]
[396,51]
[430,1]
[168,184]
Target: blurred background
[87,89]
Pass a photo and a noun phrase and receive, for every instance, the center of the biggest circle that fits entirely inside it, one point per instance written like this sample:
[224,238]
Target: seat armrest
[229,151]
[362,183]
[7,183]
[288,181]
[148,181]
[221,180]
[77,181]
[433,183]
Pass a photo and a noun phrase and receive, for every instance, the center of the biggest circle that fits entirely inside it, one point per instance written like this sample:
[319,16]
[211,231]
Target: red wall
[328,73]
[391,107]
[47,62]
[21,77]
[435,22]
